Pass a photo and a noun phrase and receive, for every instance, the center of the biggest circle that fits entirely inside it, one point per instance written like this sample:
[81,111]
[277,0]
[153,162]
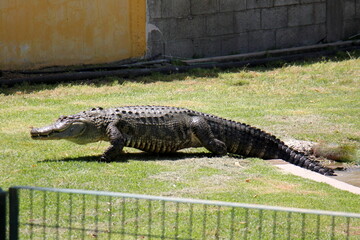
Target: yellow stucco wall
[38,33]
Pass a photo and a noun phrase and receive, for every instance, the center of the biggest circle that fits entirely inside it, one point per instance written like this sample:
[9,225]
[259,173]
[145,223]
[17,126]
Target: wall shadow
[212,72]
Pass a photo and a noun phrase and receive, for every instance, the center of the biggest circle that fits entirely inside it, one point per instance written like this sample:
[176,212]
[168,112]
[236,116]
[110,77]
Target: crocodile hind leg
[117,144]
[202,131]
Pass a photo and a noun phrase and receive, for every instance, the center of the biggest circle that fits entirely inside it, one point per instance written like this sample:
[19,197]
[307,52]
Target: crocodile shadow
[142,156]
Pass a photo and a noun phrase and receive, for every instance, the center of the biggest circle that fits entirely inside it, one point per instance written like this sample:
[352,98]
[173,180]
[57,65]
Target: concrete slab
[301,172]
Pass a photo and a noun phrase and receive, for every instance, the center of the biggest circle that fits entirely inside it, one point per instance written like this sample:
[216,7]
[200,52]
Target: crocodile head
[73,128]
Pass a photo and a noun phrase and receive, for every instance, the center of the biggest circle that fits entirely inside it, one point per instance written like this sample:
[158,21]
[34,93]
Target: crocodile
[164,129]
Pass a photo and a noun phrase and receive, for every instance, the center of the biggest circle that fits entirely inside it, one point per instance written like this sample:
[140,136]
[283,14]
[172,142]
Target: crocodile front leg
[116,141]
[202,131]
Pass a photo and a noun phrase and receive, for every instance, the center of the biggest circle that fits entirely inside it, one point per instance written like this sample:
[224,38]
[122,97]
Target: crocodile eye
[61,118]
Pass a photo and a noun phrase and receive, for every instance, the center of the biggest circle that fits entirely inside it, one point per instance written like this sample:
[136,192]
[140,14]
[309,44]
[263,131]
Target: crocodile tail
[249,141]
[267,146]
[253,142]
[300,159]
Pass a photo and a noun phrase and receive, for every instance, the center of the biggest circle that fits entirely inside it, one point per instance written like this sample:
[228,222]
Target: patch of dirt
[299,145]
[222,172]
[230,169]
[226,163]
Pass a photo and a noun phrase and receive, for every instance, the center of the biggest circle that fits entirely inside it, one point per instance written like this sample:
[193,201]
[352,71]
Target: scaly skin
[159,129]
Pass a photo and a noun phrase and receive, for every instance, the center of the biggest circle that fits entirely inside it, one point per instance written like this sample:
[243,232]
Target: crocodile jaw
[58,130]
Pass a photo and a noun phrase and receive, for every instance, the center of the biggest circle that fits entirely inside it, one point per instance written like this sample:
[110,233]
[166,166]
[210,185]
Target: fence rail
[47,213]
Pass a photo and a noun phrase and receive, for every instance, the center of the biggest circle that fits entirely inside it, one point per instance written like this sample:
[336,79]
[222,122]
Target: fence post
[14,213]
[3,214]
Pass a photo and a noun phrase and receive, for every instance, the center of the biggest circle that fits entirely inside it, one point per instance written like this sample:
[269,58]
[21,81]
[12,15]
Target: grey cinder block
[273,18]
[220,24]
[247,20]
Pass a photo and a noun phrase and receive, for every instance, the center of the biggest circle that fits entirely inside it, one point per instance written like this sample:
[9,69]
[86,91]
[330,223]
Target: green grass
[317,101]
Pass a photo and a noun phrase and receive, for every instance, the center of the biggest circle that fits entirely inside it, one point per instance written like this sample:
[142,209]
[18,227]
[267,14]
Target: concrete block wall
[204,28]
[351,18]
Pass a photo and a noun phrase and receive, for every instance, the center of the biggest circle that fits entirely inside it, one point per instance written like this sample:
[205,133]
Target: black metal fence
[45,213]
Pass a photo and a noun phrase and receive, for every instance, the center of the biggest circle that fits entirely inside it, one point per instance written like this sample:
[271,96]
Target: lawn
[315,100]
